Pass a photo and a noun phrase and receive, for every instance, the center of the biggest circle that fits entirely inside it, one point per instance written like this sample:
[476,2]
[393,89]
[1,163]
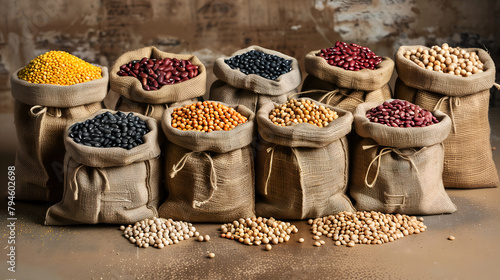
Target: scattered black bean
[110,130]
[256,62]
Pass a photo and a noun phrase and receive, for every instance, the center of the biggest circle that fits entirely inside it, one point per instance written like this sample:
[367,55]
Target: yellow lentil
[59,68]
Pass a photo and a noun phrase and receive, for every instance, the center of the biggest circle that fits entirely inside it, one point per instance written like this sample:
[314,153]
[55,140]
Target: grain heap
[256,231]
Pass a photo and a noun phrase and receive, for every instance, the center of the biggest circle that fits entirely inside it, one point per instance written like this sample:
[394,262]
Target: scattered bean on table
[206,116]
[401,113]
[158,232]
[155,73]
[445,59]
[347,228]
[109,130]
[59,68]
[302,111]
[268,66]
[256,231]
[351,57]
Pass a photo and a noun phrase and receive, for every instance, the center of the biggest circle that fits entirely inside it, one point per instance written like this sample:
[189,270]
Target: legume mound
[401,113]
[109,130]
[347,228]
[302,111]
[155,73]
[259,63]
[158,232]
[206,116]
[445,59]
[59,68]
[256,231]
[351,57]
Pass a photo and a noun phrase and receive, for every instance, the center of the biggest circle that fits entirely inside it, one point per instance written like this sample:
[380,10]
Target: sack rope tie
[382,152]
[454,101]
[213,176]
[328,95]
[271,150]
[39,110]
[75,182]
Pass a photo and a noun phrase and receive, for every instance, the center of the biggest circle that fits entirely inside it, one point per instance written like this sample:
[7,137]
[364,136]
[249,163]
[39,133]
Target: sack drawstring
[75,182]
[271,150]
[38,110]
[382,152]
[453,101]
[213,175]
[328,95]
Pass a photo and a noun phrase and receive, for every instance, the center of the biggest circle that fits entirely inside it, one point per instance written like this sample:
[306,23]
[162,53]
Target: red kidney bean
[155,73]
[401,113]
[356,56]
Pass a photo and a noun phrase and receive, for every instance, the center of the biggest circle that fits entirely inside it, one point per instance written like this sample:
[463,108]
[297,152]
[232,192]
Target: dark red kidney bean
[133,74]
[125,74]
[143,75]
[401,113]
[160,78]
[363,57]
[144,81]
[169,68]
[145,87]
[184,74]
[190,73]
[183,63]
[175,72]
[180,69]
[144,60]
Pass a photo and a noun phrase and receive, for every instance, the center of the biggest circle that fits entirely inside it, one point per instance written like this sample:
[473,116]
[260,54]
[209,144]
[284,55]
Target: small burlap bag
[399,170]
[346,89]
[109,185]
[41,114]
[302,170]
[468,161]
[210,176]
[133,98]
[252,91]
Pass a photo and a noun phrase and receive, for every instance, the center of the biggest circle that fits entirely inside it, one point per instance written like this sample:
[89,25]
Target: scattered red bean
[350,57]
[401,113]
[155,73]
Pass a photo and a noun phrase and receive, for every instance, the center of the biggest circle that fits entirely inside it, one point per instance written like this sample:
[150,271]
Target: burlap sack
[133,98]
[468,161]
[399,170]
[343,88]
[302,170]
[41,114]
[210,176]
[109,185]
[252,91]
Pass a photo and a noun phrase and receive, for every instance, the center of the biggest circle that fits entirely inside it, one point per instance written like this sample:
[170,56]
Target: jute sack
[252,91]
[210,176]
[302,170]
[468,161]
[41,113]
[133,98]
[399,170]
[109,185]
[346,89]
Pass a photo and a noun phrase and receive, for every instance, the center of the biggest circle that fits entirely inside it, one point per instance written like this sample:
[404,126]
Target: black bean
[255,62]
[110,130]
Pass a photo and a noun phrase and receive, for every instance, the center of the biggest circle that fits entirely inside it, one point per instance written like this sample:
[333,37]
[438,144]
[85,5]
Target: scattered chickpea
[211,255]
[301,240]
[268,247]
[451,237]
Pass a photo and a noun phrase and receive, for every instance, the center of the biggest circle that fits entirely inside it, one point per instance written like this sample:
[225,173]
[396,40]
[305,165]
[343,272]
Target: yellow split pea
[59,68]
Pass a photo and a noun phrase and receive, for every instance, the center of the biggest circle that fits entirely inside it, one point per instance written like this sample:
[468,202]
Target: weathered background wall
[101,30]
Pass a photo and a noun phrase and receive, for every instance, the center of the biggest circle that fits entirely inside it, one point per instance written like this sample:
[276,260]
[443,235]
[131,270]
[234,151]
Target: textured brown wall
[100,30]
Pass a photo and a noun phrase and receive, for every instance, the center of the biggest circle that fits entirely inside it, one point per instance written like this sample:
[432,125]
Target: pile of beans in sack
[112,170]
[346,75]
[254,76]
[457,82]
[209,162]
[397,167]
[295,177]
[148,80]
[52,91]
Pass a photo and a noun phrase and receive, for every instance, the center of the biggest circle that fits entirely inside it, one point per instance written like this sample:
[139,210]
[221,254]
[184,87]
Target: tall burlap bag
[302,170]
[399,170]
[41,114]
[109,185]
[209,176]
[346,89]
[235,87]
[468,161]
[133,98]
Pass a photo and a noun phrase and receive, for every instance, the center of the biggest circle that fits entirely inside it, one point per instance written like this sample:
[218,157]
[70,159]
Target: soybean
[297,111]
[256,231]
